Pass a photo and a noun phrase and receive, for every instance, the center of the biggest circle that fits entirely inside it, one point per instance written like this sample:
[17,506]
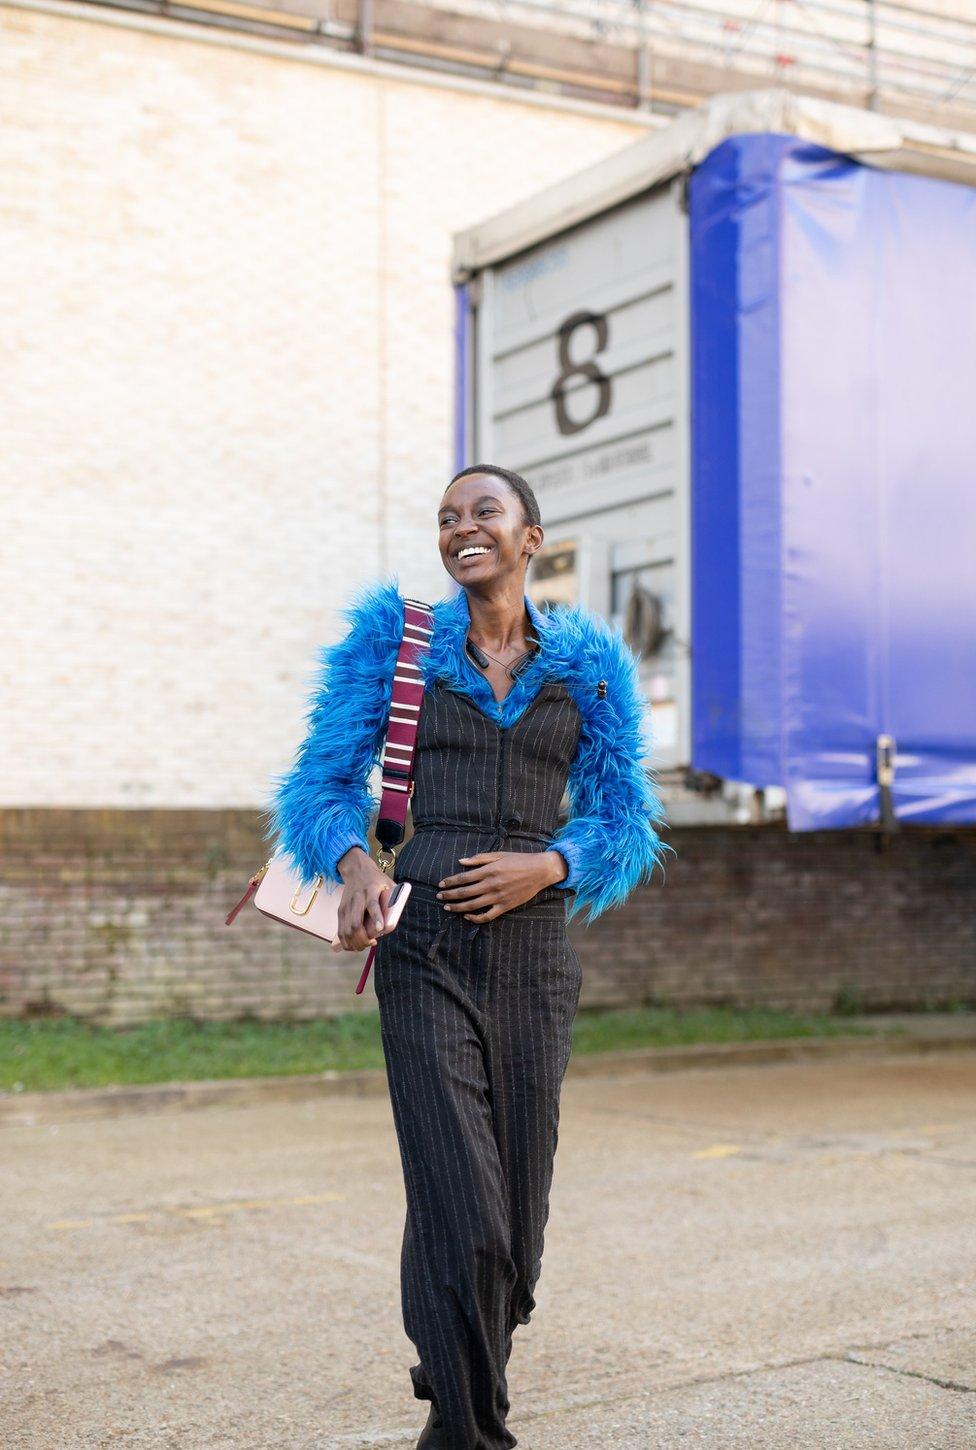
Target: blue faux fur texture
[610,841]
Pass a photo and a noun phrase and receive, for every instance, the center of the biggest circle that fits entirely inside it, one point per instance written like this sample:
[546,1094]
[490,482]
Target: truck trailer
[737,362]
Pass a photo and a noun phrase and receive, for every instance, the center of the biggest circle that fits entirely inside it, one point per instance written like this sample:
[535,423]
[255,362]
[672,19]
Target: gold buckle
[386,865]
[304,910]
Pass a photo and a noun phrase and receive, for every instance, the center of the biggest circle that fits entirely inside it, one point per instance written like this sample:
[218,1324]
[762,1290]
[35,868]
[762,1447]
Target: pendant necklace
[513,670]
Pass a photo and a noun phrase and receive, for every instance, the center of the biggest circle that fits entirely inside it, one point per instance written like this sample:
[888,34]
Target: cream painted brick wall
[227,377]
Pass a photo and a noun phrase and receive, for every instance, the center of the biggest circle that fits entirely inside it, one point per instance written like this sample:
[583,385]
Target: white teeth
[477,549]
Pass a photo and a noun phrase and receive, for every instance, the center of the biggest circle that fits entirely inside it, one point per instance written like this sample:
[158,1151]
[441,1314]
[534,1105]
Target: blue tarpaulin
[833,481]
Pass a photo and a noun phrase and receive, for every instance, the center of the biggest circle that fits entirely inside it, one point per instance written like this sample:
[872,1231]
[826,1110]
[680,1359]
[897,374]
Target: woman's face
[480,513]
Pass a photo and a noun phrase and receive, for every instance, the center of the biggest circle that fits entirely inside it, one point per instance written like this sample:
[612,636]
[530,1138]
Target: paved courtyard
[778,1256]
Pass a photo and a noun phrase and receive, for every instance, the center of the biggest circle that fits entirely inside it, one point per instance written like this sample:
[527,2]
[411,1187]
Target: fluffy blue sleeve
[323,805]
[610,841]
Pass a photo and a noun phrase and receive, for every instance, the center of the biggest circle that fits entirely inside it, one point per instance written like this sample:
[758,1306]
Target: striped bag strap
[401,735]
[401,739]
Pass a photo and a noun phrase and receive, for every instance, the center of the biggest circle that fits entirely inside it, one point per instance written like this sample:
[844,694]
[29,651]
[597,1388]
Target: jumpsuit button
[513,822]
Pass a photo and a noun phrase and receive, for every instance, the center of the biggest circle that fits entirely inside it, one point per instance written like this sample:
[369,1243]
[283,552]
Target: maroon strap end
[252,886]
[365,972]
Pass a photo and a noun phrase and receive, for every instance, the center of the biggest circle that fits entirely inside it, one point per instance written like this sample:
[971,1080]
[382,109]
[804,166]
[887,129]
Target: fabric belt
[503,832]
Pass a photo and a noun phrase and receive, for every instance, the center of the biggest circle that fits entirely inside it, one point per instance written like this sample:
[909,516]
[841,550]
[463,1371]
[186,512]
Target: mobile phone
[396,901]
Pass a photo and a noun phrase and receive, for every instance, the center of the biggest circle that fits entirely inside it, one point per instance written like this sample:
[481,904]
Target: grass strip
[611,1030]
[51,1053]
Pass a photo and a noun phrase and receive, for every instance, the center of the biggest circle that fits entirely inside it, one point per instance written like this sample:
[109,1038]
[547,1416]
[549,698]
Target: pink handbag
[315,908]
[277,890]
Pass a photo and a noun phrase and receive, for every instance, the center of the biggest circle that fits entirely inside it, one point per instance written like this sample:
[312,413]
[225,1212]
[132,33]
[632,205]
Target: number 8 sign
[586,369]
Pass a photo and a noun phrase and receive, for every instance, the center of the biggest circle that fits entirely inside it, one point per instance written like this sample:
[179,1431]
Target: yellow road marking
[718,1150]
[203,1211]
[257,1203]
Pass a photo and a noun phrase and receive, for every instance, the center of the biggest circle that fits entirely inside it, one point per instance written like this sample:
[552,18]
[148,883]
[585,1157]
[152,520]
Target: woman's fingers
[339,944]
[470,889]
[351,935]
[376,908]
[471,876]
[473,903]
[362,918]
[488,915]
[458,898]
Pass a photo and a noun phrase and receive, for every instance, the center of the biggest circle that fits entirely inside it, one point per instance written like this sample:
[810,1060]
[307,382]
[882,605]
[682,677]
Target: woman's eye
[487,509]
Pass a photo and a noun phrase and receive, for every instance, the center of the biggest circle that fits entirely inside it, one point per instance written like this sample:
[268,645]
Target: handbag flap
[313,908]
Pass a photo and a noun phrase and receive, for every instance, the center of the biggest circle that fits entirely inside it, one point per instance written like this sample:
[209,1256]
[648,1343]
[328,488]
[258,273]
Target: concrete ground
[773,1256]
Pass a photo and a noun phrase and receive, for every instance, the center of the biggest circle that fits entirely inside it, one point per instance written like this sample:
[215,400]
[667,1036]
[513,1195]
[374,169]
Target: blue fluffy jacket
[324,805]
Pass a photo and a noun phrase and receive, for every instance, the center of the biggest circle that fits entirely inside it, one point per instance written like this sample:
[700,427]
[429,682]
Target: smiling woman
[479,984]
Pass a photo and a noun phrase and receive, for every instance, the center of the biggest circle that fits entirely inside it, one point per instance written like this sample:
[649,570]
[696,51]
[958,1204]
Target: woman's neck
[499,623]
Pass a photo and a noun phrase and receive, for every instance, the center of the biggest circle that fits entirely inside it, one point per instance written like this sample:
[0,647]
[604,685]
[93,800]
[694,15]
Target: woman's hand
[497,881]
[362,907]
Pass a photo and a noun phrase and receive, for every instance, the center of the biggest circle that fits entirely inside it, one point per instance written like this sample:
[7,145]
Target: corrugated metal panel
[582,387]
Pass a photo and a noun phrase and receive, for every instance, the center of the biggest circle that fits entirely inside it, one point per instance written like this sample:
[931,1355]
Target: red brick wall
[118,916]
[812,920]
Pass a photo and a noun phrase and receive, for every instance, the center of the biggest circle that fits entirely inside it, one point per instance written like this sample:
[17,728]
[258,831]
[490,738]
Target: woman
[478,985]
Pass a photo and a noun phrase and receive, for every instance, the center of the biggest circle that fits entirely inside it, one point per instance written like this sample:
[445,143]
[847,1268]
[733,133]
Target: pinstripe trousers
[476,1023]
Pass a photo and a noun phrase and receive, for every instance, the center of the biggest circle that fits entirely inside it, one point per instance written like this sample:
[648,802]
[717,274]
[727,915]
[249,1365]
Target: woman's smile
[480,551]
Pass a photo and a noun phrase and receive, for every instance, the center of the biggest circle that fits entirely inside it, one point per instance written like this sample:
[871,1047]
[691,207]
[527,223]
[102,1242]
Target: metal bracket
[884,766]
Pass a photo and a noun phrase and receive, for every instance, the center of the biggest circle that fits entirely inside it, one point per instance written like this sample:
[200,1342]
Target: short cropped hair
[519,486]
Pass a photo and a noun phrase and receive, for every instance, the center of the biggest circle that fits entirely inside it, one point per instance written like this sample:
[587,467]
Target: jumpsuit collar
[448,660]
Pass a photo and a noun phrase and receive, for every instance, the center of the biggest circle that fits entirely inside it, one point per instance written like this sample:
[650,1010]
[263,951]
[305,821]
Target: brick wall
[117,916]
[812,920]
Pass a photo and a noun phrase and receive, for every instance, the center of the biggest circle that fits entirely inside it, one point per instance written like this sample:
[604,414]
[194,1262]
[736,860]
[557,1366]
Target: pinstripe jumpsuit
[476,1026]
[476,1019]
